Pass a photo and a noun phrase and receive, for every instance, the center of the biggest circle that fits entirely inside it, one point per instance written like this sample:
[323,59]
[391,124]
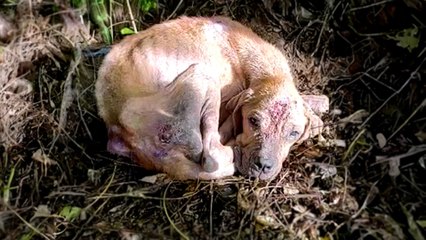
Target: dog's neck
[263,62]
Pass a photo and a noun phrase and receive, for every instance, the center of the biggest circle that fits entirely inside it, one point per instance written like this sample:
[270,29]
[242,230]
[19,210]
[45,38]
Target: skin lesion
[164,133]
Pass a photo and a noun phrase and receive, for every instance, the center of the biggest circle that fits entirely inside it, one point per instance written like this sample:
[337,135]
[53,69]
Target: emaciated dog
[194,97]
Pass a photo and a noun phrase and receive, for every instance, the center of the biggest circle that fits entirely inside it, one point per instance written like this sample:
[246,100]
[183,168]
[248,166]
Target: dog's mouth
[245,164]
[243,160]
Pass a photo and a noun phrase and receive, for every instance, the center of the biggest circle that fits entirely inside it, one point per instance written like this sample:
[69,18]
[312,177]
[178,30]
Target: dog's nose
[263,165]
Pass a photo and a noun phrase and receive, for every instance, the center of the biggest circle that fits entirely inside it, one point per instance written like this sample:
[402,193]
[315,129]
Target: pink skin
[164,133]
[278,110]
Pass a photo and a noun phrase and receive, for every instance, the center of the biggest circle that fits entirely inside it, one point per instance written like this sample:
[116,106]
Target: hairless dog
[196,97]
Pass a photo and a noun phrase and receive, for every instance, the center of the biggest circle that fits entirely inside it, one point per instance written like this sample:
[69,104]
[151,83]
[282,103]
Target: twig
[369,5]
[92,203]
[325,22]
[368,34]
[415,150]
[80,111]
[393,95]
[105,190]
[366,201]
[378,81]
[67,96]
[174,11]
[132,18]
[422,105]
[352,145]
[211,211]
[6,191]
[168,216]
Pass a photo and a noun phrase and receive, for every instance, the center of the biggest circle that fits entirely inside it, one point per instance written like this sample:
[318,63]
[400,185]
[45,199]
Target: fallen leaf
[381,139]
[70,213]
[340,143]
[335,112]
[422,161]
[421,223]
[126,31]
[160,177]
[290,190]
[242,200]
[355,118]
[299,208]
[394,163]
[40,156]
[312,153]
[266,220]
[413,229]
[421,135]
[327,170]
[407,38]
[41,211]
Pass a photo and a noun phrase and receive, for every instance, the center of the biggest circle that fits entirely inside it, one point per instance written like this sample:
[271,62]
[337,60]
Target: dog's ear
[317,103]
[313,126]
[314,106]
[234,105]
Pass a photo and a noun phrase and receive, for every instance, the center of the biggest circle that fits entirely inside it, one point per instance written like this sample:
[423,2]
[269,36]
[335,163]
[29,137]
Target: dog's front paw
[216,157]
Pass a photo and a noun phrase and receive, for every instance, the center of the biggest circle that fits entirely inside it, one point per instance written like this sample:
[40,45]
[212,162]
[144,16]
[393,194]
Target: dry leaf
[242,200]
[355,118]
[290,190]
[421,135]
[43,158]
[340,143]
[299,208]
[381,139]
[422,161]
[266,220]
[327,170]
[41,211]
[394,163]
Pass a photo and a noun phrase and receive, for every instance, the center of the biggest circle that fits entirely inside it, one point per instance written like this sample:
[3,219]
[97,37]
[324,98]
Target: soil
[361,179]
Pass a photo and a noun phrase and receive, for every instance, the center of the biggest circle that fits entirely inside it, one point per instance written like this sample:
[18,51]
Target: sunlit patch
[213,30]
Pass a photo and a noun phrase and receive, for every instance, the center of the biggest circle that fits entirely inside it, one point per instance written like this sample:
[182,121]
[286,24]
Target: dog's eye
[293,135]
[254,121]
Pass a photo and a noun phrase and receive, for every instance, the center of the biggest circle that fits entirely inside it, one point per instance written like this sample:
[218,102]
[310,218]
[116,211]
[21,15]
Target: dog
[197,97]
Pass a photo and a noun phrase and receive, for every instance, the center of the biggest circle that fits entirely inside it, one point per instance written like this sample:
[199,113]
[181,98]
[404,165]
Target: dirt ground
[362,179]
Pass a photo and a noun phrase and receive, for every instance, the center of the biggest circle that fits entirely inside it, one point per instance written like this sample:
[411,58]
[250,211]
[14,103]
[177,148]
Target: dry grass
[57,180]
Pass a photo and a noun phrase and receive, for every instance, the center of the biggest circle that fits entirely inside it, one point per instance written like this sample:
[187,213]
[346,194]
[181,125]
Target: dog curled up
[200,97]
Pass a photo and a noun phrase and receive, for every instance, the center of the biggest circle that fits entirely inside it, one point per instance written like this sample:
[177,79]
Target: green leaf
[126,31]
[407,38]
[78,3]
[413,229]
[27,236]
[421,223]
[106,35]
[147,5]
[70,213]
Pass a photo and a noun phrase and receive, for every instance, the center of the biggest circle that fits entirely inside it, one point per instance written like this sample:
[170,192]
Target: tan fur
[231,55]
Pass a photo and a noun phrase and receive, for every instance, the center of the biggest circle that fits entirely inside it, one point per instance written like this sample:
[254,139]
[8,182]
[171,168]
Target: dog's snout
[264,165]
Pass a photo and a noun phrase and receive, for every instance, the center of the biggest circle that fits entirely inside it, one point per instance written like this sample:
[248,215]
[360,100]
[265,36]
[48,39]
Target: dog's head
[268,119]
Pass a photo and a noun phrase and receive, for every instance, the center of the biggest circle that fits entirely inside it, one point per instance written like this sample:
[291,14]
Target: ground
[361,179]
